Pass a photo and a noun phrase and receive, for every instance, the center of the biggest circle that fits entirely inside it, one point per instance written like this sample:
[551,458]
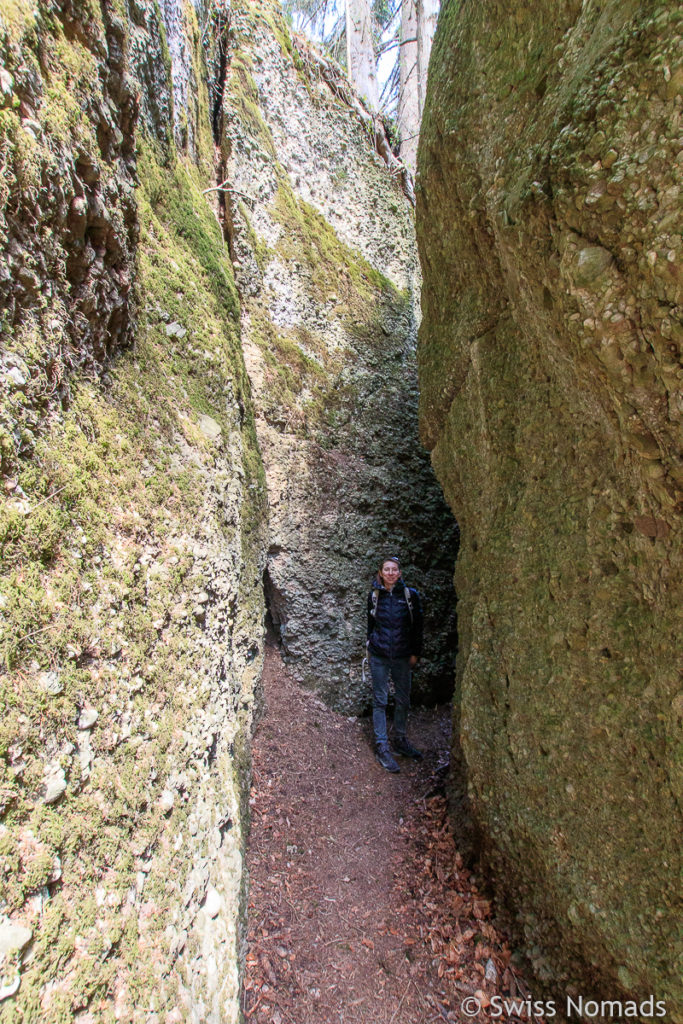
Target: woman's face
[389,573]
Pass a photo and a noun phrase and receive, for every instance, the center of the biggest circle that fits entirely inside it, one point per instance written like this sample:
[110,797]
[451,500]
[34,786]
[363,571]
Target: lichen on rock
[549,229]
[132,525]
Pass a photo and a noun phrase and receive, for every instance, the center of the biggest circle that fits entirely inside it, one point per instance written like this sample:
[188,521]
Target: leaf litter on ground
[360,909]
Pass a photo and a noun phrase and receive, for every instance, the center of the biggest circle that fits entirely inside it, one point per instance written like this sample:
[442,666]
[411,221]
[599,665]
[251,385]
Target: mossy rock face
[68,222]
[132,534]
[326,263]
[549,230]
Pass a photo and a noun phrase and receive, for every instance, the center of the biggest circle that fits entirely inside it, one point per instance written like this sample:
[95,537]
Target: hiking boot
[406,749]
[384,756]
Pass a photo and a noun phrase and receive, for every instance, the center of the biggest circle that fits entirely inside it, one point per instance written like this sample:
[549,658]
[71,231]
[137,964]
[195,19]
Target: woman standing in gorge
[394,644]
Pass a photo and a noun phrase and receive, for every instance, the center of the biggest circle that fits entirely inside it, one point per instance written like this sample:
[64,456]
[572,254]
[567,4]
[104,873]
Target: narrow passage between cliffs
[360,910]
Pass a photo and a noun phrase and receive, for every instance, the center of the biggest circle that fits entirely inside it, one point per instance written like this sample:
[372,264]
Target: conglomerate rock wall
[326,263]
[68,220]
[132,532]
[549,190]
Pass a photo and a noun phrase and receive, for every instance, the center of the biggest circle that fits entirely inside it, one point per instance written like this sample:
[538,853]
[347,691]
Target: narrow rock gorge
[548,206]
[211,297]
[209,402]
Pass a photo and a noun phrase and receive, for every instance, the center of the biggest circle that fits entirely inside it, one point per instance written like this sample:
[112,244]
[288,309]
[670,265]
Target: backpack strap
[375,601]
[409,602]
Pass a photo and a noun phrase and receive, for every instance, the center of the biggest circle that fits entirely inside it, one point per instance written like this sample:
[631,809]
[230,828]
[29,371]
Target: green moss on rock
[547,174]
[98,583]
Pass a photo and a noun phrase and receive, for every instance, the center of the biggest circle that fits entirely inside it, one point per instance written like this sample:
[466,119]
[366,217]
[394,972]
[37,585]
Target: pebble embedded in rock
[213,902]
[55,789]
[88,718]
[16,376]
[56,872]
[10,988]
[85,755]
[51,683]
[6,87]
[175,330]
[591,263]
[167,801]
[13,936]
[209,428]
[29,280]
[55,783]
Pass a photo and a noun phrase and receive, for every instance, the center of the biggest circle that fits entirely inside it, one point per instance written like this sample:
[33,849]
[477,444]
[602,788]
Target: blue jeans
[381,670]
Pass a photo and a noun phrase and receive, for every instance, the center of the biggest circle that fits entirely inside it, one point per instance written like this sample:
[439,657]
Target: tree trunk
[409,97]
[427,15]
[360,52]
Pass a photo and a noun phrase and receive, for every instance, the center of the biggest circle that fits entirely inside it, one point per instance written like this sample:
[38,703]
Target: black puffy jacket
[391,633]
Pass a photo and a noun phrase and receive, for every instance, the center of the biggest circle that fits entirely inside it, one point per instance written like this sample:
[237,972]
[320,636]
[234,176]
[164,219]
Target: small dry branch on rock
[224,187]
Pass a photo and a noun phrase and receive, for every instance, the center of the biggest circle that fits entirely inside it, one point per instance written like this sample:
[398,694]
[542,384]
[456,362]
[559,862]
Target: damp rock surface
[549,229]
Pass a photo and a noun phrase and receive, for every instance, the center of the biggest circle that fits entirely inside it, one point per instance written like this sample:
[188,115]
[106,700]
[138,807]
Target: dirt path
[360,911]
